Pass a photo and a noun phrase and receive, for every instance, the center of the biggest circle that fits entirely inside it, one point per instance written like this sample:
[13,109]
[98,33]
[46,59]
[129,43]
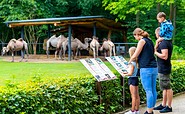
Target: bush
[75,95]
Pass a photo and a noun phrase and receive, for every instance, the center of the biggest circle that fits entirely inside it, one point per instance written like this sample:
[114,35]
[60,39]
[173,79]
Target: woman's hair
[161,14]
[140,32]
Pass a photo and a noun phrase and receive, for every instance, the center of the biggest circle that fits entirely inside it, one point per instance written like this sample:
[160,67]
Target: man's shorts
[133,81]
[164,81]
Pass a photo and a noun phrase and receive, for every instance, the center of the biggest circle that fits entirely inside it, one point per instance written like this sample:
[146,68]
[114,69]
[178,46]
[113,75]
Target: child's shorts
[133,81]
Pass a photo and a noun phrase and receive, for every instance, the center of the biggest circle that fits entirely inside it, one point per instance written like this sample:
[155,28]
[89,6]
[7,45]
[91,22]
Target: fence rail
[121,48]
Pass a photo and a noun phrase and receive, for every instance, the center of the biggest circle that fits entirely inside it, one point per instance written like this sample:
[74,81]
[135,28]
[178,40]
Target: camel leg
[94,53]
[12,57]
[114,52]
[56,54]
[27,55]
[22,55]
[110,50]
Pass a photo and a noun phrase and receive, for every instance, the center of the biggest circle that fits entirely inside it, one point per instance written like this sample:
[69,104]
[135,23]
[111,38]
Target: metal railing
[121,48]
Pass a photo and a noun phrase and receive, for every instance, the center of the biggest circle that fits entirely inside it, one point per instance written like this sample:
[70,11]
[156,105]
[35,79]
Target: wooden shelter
[79,26]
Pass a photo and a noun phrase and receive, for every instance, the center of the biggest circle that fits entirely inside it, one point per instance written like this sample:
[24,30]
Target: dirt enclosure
[43,59]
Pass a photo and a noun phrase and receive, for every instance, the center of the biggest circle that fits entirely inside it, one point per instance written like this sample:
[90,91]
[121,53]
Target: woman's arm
[139,48]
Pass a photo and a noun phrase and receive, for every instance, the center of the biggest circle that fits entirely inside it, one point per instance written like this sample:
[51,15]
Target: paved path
[178,105]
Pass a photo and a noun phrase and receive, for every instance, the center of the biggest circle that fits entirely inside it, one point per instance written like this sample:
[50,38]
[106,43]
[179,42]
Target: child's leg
[137,99]
[134,95]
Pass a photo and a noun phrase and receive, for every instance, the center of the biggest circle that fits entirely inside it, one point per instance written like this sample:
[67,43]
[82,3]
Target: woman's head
[139,33]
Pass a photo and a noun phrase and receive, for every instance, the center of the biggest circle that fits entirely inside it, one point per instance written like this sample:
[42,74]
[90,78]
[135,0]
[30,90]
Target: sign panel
[119,63]
[98,69]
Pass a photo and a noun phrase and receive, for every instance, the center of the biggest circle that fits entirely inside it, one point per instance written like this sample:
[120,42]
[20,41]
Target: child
[166,28]
[133,83]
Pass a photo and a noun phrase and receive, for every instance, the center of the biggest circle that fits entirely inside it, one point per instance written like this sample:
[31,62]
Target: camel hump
[13,40]
[20,39]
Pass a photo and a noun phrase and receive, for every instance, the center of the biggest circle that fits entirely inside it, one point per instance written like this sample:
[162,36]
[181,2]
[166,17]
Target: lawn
[23,71]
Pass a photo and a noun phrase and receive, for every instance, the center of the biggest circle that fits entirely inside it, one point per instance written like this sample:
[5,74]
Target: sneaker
[160,107]
[130,112]
[165,110]
[137,112]
[148,113]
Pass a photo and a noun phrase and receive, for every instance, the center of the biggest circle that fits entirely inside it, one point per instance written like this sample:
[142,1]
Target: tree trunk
[158,10]
[35,49]
[137,18]
[171,11]
[174,21]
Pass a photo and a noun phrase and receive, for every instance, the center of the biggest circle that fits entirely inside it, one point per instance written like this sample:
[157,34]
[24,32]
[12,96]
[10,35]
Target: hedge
[75,95]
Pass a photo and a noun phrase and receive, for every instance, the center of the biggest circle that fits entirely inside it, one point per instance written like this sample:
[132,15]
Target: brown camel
[108,46]
[16,45]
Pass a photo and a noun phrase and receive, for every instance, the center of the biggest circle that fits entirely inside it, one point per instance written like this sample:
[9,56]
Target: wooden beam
[106,27]
[30,23]
[73,23]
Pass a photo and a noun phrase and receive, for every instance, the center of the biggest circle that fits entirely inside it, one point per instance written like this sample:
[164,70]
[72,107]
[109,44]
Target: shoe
[137,112]
[165,110]
[130,112]
[160,107]
[148,113]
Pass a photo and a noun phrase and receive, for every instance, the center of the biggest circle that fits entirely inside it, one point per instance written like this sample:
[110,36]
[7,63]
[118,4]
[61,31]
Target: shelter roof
[85,21]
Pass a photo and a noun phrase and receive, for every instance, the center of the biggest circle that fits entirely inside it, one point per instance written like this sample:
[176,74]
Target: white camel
[53,42]
[108,46]
[94,45]
[16,45]
[59,46]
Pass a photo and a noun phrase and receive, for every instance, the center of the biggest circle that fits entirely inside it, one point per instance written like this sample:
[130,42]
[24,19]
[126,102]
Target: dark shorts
[133,81]
[164,81]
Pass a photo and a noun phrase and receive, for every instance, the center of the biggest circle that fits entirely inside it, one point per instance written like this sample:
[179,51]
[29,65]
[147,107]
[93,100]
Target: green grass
[23,71]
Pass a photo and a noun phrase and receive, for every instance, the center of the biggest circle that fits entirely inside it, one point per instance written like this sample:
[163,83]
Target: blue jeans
[148,80]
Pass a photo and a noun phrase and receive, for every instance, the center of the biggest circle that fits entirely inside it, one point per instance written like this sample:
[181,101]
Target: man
[163,52]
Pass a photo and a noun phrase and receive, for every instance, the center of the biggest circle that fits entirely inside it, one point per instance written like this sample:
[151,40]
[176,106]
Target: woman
[148,66]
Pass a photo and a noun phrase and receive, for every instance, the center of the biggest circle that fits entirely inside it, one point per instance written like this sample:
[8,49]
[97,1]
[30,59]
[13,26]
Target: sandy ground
[39,59]
[44,59]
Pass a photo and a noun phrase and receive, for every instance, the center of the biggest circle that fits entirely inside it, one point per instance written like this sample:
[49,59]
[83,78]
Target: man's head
[161,17]
[157,30]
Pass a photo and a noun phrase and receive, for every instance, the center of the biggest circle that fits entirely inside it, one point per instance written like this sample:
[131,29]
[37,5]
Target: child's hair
[161,14]
[140,32]
[131,51]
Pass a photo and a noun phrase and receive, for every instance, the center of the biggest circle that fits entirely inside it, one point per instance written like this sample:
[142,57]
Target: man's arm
[163,54]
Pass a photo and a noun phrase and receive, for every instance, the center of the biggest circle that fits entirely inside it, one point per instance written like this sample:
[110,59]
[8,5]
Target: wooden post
[109,34]
[94,29]
[69,43]
[98,88]
[123,90]
[49,31]
[22,32]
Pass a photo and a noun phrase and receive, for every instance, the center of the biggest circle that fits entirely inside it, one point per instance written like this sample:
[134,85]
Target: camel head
[4,50]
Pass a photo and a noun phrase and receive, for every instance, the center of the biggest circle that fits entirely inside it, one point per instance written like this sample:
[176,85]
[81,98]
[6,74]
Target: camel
[59,46]
[94,45]
[16,45]
[53,42]
[76,46]
[108,46]
[82,46]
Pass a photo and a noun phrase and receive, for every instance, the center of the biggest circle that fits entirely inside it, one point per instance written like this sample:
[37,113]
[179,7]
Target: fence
[121,48]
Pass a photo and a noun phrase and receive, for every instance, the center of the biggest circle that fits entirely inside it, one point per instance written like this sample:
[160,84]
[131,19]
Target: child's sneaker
[166,109]
[130,112]
[137,112]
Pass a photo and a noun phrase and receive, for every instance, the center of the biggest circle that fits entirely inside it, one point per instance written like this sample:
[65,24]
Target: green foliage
[178,53]
[75,95]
